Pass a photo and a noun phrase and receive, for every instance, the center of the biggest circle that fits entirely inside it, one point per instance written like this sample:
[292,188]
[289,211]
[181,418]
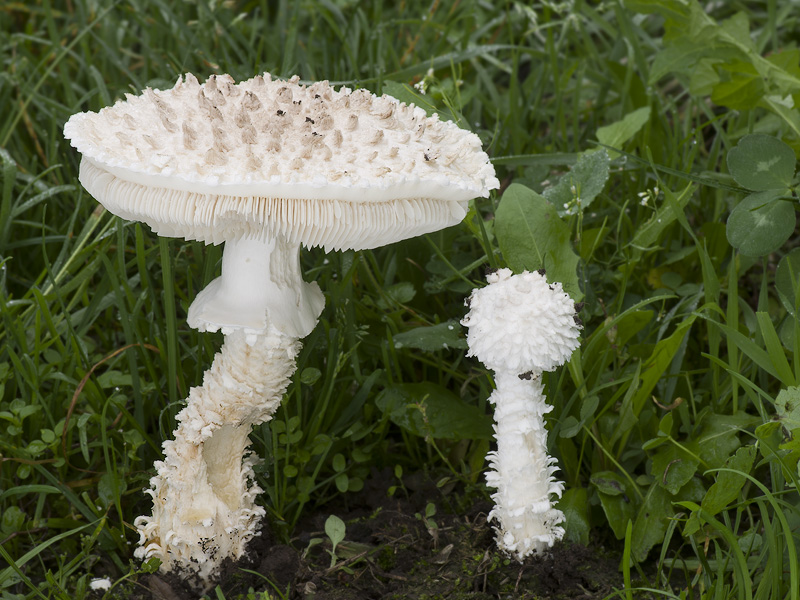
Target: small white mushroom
[520,326]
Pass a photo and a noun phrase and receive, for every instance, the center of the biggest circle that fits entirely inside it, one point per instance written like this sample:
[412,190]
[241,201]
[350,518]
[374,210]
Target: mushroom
[520,326]
[262,166]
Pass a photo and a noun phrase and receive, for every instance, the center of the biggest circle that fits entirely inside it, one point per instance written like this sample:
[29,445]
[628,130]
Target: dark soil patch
[392,552]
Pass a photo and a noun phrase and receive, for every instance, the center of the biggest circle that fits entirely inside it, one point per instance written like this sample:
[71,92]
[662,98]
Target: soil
[391,551]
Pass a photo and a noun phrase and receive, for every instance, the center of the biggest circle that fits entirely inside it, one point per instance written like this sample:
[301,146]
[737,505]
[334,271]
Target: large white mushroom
[263,166]
[520,326]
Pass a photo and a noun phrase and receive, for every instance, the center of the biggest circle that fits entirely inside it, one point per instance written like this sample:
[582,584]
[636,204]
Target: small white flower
[103,583]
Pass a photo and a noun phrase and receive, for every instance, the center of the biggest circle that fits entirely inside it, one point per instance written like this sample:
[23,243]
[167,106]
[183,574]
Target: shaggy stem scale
[520,469]
[203,495]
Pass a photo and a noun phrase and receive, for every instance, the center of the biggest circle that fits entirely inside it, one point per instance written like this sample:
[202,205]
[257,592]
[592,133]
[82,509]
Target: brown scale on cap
[208,107]
[249,134]
[129,122]
[215,157]
[251,102]
[384,112]
[189,136]
[284,95]
[221,143]
[242,119]
[152,142]
[213,93]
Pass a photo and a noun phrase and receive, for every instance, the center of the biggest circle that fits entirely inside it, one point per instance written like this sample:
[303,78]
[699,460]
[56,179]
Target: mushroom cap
[318,166]
[520,323]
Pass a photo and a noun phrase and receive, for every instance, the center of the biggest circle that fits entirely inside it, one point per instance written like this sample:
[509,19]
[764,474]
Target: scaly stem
[204,506]
[521,470]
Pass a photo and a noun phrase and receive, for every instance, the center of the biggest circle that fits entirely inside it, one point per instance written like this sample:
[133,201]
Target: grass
[668,424]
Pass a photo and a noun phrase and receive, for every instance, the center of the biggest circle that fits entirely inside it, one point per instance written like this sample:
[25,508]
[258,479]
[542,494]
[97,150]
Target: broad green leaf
[576,190]
[659,361]
[615,499]
[399,293]
[12,520]
[703,77]
[787,280]
[793,446]
[113,379]
[673,467]
[428,409]
[738,28]
[435,337]
[726,488]
[532,236]
[762,162]
[693,57]
[783,107]
[787,407]
[631,324]
[339,462]
[719,438]
[761,223]
[591,239]
[342,482]
[741,92]
[651,522]
[575,506]
[616,134]
[109,488]
[788,60]
[335,530]
[571,426]
[310,375]
[750,542]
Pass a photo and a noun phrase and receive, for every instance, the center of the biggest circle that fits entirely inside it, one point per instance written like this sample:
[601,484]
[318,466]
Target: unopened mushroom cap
[323,167]
[520,323]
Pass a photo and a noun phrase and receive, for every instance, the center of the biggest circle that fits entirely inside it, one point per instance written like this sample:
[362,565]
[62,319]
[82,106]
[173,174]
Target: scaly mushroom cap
[521,323]
[220,160]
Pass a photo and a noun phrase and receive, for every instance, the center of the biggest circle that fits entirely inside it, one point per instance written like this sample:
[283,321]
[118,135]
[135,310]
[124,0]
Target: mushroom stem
[204,508]
[261,284]
[521,470]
